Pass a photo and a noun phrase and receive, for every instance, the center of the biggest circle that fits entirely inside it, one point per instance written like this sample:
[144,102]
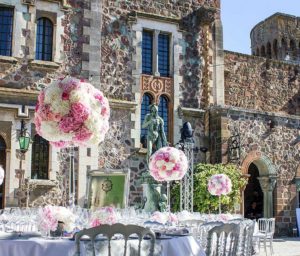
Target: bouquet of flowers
[219,184]
[164,217]
[49,216]
[104,215]
[71,111]
[167,164]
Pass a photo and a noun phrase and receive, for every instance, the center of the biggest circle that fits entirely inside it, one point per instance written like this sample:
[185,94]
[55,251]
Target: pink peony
[83,134]
[69,124]
[80,112]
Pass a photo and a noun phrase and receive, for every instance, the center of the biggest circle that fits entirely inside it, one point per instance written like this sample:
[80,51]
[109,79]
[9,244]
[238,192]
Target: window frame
[33,158]
[44,18]
[12,9]
[155,52]
[141,115]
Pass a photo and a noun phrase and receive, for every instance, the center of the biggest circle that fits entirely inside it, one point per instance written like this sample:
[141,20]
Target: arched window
[263,51]
[269,51]
[257,51]
[44,39]
[283,48]
[163,111]
[275,48]
[145,109]
[292,49]
[39,158]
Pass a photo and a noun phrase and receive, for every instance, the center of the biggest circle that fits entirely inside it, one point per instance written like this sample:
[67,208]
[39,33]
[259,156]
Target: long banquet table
[38,246]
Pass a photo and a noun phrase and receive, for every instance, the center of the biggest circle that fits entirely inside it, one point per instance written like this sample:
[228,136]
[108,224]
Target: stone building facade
[220,93]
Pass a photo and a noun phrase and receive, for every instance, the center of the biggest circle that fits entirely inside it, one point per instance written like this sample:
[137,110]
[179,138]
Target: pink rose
[80,112]
[83,134]
[65,96]
[68,124]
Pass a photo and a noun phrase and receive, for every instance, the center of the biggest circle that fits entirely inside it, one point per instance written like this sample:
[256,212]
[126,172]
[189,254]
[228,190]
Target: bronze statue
[156,137]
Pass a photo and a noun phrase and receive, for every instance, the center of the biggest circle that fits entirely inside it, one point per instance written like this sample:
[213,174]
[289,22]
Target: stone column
[267,184]
[155,53]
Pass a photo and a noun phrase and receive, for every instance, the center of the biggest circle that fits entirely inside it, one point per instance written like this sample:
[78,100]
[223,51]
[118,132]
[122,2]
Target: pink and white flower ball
[219,184]
[167,164]
[72,112]
[104,215]
[2,174]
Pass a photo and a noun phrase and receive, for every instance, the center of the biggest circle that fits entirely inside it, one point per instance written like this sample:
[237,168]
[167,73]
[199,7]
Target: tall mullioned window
[44,39]
[163,112]
[145,109]
[39,158]
[6,30]
[147,49]
[163,54]
[158,52]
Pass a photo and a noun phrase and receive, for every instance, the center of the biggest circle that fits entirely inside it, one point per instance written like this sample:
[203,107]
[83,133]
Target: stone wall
[270,136]
[261,84]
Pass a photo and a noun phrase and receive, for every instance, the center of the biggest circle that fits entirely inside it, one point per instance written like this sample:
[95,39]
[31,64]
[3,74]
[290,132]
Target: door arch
[253,194]
[3,163]
[267,179]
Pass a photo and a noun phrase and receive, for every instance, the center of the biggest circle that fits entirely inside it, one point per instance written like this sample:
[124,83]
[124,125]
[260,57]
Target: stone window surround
[52,11]
[171,28]
[49,9]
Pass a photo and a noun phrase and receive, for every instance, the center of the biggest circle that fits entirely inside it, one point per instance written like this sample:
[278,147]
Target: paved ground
[285,246]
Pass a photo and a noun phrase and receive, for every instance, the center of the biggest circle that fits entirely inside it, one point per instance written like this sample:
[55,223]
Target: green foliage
[204,202]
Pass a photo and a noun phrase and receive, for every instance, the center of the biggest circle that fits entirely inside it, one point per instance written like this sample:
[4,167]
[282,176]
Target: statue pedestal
[153,199]
[151,196]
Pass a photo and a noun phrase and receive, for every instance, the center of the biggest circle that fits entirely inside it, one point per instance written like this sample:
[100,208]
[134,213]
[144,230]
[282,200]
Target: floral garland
[71,111]
[219,184]
[49,216]
[104,215]
[167,164]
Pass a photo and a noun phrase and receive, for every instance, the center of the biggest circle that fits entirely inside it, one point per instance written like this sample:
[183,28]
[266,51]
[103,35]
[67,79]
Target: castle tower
[277,37]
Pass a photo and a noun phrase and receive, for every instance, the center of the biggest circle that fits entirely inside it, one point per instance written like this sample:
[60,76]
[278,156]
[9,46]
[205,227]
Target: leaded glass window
[163,112]
[163,54]
[6,29]
[39,158]
[147,49]
[145,109]
[44,39]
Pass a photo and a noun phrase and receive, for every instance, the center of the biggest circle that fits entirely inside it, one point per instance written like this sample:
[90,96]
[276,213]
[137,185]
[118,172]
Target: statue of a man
[156,137]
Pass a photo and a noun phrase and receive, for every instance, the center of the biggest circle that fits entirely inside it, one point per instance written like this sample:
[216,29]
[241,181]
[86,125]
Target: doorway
[253,195]
[3,163]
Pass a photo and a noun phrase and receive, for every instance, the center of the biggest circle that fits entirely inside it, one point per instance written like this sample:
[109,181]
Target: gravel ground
[284,246]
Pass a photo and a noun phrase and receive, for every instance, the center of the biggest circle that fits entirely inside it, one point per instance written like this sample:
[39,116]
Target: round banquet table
[38,246]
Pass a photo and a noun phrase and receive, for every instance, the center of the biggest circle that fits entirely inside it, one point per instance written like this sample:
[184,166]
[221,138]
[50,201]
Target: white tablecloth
[176,246]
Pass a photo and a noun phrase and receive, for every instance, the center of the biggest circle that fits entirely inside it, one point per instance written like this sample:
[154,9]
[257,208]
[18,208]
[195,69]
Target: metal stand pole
[71,178]
[187,183]
[168,197]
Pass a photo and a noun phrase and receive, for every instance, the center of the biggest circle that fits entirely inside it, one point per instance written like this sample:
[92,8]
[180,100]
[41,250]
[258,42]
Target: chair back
[110,230]
[266,226]
[223,240]
[246,238]
[203,231]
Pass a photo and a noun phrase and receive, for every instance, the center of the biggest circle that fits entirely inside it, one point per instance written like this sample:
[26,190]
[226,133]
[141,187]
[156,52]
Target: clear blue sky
[240,16]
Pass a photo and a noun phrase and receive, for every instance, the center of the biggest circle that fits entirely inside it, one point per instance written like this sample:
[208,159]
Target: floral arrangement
[49,216]
[167,164]
[71,111]
[219,184]
[2,174]
[104,215]
[164,217]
